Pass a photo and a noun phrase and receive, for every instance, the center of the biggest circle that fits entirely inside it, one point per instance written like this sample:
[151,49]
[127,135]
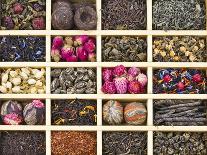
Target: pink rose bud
[12,119]
[38,23]
[57,42]
[80,40]
[55,54]
[72,58]
[18,8]
[67,51]
[167,78]
[81,53]
[90,46]
[180,86]
[197,78]
[38,104]
[92,57]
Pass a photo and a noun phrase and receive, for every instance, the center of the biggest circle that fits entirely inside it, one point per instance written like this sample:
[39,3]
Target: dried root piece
[85,18]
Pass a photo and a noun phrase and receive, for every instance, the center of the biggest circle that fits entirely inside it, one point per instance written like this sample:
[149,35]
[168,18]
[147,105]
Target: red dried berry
[8,23]
[180,86]
[197,78]
[18,8]
[38,23]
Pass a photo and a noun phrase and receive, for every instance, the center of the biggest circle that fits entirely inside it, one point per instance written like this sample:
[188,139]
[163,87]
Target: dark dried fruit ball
[61,3]
[62,18]
[8,23]
[38,23]
[85,18]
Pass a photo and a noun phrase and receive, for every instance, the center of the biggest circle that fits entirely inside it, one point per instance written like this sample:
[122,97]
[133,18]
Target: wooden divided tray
[149,66]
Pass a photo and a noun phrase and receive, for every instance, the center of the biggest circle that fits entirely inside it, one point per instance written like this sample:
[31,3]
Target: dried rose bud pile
[120,80]
[22,81]
[73,49]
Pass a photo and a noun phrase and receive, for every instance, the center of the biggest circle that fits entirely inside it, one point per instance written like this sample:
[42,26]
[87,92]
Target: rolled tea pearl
[62,18]
[61,3]
[34,113]
[12,119]
[10,106]
[113,112]
[135,113]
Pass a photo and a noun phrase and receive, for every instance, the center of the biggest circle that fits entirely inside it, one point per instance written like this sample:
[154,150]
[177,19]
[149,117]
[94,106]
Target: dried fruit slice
[85,18]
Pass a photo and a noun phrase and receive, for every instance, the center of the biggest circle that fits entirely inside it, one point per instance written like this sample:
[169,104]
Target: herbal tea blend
[179,49]
[22,112]
[179,81]
[124,143]
[67,15]
[116,113]
[18,48]
[74,112]
[74,142]
[22,15]
[22,81]
[180,112]
[122,80]
[179,15]
[74,48]
[124,49]
[22,142]
[124,15]
[73,81]
[188,143]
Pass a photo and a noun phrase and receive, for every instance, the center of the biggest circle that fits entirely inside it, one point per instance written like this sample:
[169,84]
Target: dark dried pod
[62,18]
[55,84]
[80,91]
[90,91]
[85,18]
[61,3]
[80,84]
[71,90]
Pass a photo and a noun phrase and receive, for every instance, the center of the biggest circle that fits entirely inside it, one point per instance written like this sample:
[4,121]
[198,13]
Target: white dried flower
[31,81]
[25,70]
[9,85]
[4,78]
[33,90]
[39,83]
[16,89]
[24,75]
[41,91]
[34,71]
[3,89]
[13,74]
[16,81]
[39,74]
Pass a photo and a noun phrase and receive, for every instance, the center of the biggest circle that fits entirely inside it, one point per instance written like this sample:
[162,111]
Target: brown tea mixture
[73,143]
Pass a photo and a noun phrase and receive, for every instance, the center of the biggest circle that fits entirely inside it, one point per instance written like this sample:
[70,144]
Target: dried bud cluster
[23,81]
[183,143]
